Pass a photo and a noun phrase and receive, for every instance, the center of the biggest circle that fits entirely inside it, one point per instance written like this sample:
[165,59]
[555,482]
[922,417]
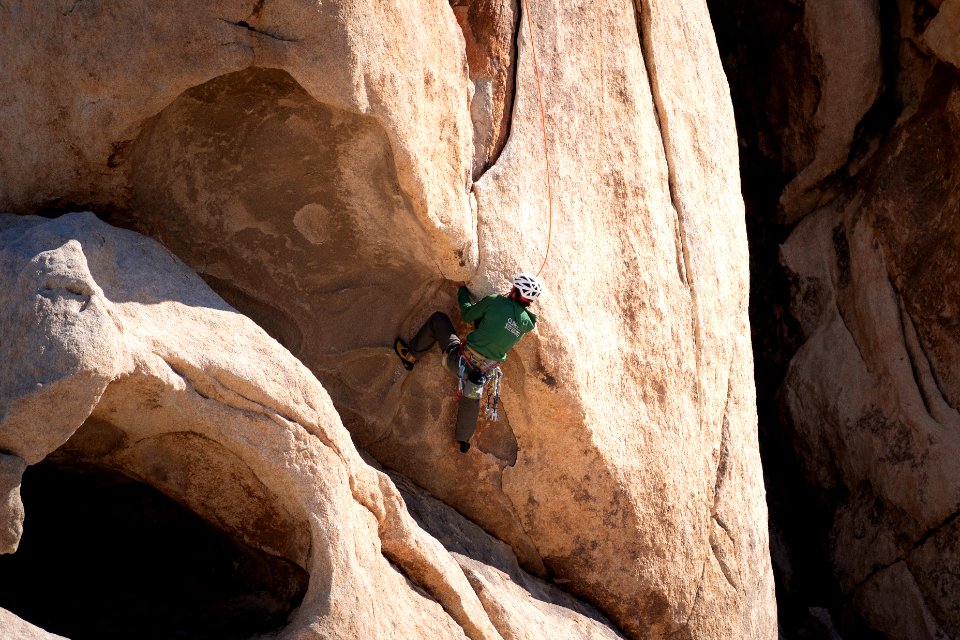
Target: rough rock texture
[489,31]
[11,507]
[312,163]
[943,34]
[15,628]
[844,40]
[520,605]
[878,367]
[109,68]
[868,344]
[656,322]
[159,358]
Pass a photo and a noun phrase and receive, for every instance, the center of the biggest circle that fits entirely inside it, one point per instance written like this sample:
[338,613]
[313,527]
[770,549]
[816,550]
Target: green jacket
[500,323]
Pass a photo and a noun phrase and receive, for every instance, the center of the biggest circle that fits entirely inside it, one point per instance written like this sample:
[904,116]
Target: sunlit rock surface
[313,163]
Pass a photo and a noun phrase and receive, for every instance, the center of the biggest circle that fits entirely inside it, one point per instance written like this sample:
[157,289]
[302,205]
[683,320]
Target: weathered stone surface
[107,69]
[844,37]
[656,321]
[314,167]
[11,507]
[15,628]
[188,406]
[868,407]
[872,392]
[943,34]
[520,605]
[489,30]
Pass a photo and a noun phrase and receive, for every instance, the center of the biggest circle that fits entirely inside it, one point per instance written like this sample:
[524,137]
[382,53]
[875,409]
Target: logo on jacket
[512,327]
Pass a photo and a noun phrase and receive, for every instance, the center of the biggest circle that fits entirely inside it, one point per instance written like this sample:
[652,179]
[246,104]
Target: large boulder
[873,392]
[312,162]
[187,395]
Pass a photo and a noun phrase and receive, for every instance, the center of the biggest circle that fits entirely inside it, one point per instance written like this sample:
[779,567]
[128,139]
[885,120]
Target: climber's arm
[471,311]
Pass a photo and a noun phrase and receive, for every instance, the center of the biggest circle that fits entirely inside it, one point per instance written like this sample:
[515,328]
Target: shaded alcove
[292,210]
[104,556]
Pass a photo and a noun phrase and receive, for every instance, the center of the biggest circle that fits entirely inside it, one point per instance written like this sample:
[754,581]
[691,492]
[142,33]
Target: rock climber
[500,321]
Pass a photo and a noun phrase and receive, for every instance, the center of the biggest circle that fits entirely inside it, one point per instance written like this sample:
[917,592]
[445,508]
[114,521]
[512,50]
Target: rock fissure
[724,568]
[903,557]
[922,540]
[249,27]
[853,336]
[509,111]
[925,378]
[724,447]
[642,10]
[683,267]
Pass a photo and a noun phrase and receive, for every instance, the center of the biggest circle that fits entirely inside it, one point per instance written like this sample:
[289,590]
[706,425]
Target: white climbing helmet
[528,285]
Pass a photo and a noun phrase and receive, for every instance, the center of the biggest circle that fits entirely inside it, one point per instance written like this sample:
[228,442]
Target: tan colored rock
[845,38]
[666,540]
[109,69]
[11,507]
[873,391]
[489,30]
[943,33]
[520,606]
[314,168]
[14,628]
[201,418]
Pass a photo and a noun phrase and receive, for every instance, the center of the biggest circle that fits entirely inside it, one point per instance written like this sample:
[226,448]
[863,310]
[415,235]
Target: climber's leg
[437,328]
[467,411]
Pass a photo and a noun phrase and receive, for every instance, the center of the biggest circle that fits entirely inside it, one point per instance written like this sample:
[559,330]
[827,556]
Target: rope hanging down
[543,124]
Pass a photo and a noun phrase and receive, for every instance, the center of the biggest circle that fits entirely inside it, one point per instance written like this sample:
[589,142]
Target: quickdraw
[492,409]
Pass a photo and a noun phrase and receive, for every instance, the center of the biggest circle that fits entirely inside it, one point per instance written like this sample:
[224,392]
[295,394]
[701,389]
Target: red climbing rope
[543,123]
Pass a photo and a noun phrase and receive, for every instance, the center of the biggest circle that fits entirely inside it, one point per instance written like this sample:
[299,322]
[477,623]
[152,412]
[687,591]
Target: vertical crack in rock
[721,551]
[643,10]
[510,89]
[724,456]
[934,400]
[683,262]
[490,31]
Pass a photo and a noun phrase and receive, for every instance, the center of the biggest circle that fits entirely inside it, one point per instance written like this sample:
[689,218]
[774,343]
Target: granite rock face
[171,388]
[187,395]
[11,506]
[315,165]
[869,386]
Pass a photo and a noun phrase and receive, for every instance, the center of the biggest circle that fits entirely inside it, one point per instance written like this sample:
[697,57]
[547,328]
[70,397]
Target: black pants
[439,329]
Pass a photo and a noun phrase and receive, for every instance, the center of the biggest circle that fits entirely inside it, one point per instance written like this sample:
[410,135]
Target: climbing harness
[543,124]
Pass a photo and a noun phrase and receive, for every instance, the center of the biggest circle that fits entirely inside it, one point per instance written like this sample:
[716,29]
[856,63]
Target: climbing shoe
[464,446]
[405,354]
[452,348]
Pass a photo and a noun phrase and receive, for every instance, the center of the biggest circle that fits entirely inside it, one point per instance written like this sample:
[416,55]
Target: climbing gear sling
[475,373]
